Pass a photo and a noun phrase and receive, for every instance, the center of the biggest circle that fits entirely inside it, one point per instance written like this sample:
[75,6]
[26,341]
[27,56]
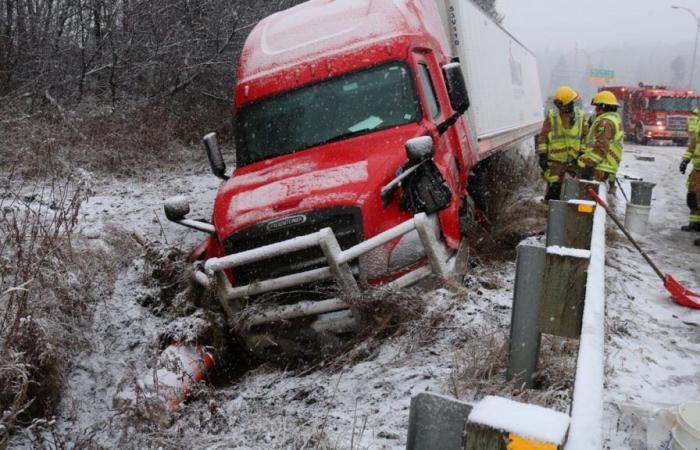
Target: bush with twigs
[46,288]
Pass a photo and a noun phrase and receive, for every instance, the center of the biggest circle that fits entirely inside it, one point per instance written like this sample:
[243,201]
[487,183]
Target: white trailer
[501,75]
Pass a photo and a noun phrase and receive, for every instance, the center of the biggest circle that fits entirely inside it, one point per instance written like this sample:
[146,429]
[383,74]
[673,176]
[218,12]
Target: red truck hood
[350,172]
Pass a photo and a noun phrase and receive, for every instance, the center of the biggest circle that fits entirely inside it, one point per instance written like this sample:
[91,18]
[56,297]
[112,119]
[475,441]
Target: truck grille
[677,123]
[346,223]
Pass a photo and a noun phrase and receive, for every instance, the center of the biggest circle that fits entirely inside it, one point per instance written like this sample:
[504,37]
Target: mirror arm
[444,126]
[387,191]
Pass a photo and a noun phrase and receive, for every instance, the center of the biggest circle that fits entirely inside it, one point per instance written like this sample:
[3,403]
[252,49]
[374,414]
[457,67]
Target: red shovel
[680,294]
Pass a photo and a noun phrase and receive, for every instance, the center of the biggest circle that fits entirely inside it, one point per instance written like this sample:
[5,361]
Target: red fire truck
[655,112]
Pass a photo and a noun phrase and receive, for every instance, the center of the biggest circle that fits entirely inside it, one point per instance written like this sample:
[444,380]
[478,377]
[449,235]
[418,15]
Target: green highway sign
[602,73]
[601,76]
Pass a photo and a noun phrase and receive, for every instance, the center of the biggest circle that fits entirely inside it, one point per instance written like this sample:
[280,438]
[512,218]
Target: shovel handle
[596,197]
[602,203]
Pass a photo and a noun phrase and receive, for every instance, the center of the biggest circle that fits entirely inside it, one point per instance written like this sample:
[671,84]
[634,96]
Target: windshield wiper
[340,137]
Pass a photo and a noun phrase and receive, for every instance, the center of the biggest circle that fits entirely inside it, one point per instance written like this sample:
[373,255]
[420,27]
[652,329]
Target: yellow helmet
[565,95]
[605,98]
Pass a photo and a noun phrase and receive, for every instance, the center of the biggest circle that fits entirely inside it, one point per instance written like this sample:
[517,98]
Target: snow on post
[525,420]
[586,431]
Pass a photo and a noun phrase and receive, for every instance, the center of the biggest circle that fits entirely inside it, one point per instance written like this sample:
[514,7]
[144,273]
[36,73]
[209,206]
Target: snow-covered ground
[653,347]
[361,401]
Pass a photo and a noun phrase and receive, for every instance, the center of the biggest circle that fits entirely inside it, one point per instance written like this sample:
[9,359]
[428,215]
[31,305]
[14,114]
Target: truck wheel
[639,135]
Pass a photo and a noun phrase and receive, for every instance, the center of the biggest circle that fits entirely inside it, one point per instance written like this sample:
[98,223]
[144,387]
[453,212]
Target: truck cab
[355,142]
[321,125]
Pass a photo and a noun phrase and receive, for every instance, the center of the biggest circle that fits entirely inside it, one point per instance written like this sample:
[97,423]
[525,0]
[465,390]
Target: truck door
[448,155]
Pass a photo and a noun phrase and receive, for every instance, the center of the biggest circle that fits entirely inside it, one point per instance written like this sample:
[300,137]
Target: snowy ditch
[359,399]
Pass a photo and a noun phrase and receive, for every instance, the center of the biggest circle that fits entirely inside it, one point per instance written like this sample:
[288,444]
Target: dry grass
[46,289]
[507,186]
[130,143]
[481,368]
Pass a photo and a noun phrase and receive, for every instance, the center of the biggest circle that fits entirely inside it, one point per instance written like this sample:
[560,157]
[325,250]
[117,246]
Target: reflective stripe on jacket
[693,152]
[565,143]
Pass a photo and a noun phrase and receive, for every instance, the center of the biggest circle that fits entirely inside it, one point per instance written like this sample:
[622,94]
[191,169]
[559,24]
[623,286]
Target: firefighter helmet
[696,111]
[605,98]
[565,95]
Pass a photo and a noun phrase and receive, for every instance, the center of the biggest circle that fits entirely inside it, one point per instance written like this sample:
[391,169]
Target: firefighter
[604,142]
[560,140]
[693,121]
[693,197]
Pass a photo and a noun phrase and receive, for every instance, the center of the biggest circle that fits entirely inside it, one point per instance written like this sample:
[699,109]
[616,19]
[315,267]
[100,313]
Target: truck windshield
[335,109]
[673,104]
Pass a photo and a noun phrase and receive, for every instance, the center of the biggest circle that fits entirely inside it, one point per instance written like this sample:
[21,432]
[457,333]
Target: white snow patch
[528,421]
[566,251]
[299,186]
[582,202]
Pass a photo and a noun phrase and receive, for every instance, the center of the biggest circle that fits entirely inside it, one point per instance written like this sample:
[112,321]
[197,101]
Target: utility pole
[697,34]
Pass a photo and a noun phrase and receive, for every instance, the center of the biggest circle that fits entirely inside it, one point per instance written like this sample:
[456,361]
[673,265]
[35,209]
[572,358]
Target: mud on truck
[358,124]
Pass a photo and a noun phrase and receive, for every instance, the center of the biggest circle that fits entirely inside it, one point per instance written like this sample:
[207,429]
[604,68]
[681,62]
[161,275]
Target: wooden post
[497,423]
[570,224]
[564,291]
[576,189]
[480,437]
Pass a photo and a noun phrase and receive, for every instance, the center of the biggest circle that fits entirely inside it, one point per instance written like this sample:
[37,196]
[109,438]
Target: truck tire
[639,135]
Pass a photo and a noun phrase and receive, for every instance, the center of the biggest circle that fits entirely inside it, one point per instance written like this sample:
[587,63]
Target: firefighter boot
[695,226]
[553,191]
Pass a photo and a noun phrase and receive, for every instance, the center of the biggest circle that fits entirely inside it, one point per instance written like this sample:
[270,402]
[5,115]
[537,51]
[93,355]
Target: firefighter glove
[543,161]
[684,165]
[586,173]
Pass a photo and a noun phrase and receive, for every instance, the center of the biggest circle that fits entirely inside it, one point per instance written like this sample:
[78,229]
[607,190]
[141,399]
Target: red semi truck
[355,140]
[655,112]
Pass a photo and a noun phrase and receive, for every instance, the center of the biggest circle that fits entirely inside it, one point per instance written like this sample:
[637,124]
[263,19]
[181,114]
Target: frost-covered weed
[46,287]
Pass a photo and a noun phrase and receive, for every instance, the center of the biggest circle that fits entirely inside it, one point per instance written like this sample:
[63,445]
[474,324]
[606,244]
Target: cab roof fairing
[320,38]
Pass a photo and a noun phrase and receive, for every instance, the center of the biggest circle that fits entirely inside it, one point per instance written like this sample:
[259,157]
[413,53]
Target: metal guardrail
[560,290]
[586,431]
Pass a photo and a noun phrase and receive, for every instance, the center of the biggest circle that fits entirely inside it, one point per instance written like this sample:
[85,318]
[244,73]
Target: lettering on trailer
[286,222]
[452,19]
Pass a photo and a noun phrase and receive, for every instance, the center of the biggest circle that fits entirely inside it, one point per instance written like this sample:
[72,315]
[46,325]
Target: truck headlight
[409,250]
[659,123]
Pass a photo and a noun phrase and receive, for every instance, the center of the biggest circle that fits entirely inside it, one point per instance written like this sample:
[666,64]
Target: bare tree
[489,6]
[678,70]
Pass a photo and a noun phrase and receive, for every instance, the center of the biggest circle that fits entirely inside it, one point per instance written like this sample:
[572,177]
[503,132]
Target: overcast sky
[561,24]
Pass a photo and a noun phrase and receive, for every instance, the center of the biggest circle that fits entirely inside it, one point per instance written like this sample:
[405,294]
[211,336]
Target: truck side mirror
[420,148]
[456,87]
[216,159]
[176,208]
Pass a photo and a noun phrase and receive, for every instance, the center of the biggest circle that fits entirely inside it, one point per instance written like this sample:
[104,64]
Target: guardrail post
[524,326]
[576,189]
[570,223]
[497,423]
[433,248]
[564,291]
[436,422]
